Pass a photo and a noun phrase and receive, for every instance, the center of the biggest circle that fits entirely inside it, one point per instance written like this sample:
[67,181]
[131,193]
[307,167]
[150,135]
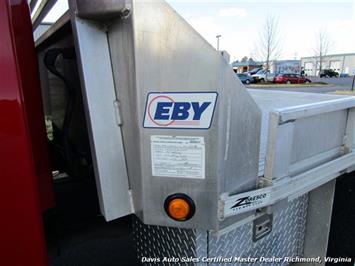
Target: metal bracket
[102,10]
[117,113]
[349,134]
[262,226]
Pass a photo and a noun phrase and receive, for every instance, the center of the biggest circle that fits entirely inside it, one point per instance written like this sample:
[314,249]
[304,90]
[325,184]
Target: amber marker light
[179,207]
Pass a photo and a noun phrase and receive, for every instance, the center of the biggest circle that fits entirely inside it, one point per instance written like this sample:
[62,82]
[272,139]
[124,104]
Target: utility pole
[218,37]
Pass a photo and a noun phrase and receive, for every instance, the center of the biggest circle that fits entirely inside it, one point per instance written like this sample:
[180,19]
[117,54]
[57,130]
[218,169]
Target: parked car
[245,79]
[252,72]
[328,73]
[291,78]
[263,76]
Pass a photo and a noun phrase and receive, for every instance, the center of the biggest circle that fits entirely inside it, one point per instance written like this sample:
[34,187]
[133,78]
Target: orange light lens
[179,209]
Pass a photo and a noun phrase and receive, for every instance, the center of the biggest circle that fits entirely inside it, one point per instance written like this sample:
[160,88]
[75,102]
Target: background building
[285,66]
[341,63]
[276,66]
[245,65]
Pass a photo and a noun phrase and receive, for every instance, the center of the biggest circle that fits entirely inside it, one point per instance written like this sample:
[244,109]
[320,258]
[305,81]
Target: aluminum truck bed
[269,100]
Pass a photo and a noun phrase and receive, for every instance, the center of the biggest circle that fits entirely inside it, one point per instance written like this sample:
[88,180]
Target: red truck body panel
[26,186]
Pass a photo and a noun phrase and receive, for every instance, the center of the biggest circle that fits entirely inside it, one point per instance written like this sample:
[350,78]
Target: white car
[263,76]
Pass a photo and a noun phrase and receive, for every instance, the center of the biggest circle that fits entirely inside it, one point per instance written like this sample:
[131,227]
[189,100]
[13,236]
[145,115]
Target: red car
[291,78]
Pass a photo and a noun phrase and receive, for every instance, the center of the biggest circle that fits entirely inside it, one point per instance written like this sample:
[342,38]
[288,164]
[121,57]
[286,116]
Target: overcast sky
[240,22]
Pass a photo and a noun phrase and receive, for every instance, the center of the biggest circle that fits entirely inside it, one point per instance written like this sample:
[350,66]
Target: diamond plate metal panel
[286,239]
[159,242]
[202,243]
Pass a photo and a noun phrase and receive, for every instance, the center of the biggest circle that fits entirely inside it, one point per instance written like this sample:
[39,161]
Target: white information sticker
[178,156]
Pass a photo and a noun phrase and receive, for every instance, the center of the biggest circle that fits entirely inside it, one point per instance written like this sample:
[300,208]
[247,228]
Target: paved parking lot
[334,84]
[314,89]
[347,82]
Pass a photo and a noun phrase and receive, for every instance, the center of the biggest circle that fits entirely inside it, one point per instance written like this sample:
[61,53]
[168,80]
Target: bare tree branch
[268,47]
[321,48]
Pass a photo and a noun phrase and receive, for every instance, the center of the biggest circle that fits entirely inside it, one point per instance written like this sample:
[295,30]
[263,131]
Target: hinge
[117,113]
[131,200]
[221,209]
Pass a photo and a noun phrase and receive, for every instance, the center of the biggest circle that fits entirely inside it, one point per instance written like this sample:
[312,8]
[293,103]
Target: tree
[244,59]
[269,46]
[321,48]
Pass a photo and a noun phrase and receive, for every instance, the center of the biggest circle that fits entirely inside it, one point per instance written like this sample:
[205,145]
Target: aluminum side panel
[155,50]
[101,113]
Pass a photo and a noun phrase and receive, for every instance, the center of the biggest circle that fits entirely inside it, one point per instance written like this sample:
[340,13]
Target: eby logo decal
[180,110]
